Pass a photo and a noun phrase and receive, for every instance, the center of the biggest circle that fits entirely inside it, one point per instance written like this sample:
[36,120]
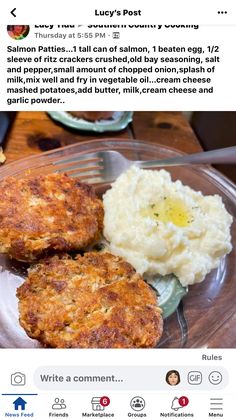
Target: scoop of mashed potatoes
[164,227]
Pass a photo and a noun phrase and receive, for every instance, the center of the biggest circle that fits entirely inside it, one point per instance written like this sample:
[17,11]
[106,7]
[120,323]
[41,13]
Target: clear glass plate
[204,309]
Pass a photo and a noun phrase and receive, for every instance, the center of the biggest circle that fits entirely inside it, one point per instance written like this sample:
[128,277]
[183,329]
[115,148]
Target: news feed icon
[18,379]
[19,404]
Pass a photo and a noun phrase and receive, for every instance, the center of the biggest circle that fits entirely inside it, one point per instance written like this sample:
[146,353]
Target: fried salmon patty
[52,212]
[93,301]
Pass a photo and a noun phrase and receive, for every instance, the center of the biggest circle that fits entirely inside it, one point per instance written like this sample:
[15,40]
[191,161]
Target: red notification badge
[104,401]
[183,401]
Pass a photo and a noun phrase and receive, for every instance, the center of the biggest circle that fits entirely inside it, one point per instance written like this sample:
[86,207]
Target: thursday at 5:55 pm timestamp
[93,35]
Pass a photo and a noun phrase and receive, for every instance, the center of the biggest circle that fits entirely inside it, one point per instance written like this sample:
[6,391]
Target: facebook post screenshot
[117,209]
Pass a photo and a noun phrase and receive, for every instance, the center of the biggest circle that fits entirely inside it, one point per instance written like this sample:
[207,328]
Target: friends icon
[59,404]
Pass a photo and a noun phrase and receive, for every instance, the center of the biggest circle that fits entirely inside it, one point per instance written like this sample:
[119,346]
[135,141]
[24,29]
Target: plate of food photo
[144,259]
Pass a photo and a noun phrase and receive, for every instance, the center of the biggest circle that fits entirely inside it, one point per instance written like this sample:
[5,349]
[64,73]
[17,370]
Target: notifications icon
[179,403]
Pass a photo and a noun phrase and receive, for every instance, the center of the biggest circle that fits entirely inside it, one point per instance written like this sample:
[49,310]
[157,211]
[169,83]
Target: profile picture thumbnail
[173,378]
[18,32]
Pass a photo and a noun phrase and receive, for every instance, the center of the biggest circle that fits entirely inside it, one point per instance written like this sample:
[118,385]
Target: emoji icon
[215,377]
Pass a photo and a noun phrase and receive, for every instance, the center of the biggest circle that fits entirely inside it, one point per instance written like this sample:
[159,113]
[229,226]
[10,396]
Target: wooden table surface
[34,132]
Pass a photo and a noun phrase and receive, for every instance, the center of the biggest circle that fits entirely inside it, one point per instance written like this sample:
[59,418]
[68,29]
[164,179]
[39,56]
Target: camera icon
[18,379]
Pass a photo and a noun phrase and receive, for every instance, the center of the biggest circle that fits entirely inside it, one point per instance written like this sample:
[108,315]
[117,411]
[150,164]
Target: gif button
[195,377]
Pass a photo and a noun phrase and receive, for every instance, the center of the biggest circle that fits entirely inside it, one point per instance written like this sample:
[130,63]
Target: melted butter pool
[169,210]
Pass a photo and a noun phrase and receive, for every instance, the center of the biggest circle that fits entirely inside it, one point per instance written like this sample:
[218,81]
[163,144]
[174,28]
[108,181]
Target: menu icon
[216,403]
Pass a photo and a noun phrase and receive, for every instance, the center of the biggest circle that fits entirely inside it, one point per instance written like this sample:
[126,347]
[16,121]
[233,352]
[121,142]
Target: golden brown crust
[93,301]
[52,212]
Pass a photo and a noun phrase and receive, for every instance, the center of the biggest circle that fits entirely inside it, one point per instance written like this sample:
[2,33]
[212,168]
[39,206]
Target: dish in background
[205,308]
[119,121]
[92,116]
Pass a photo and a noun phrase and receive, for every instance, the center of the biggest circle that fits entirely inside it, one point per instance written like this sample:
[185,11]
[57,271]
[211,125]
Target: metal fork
[105,166]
